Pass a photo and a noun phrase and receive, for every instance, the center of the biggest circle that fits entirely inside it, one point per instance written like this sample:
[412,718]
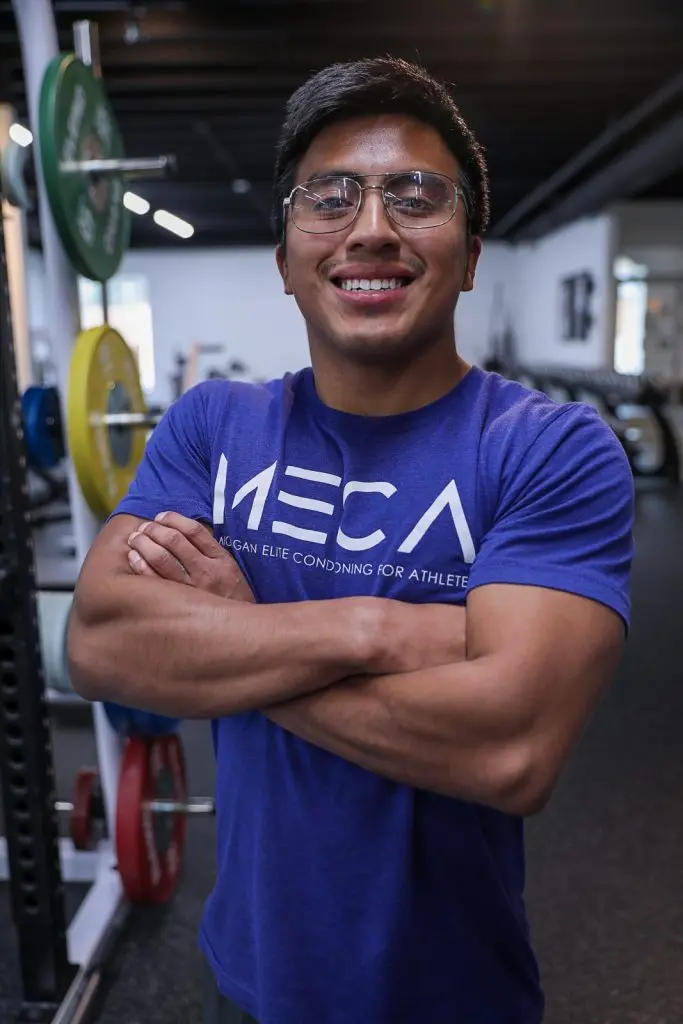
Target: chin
[377,349]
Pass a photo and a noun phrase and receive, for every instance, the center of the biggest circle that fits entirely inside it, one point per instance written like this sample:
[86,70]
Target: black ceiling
[537,79]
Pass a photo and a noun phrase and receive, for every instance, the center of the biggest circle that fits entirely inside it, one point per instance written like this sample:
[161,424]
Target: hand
[184,551]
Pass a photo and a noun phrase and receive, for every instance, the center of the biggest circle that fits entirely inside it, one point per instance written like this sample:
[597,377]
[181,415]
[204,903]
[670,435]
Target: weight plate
[42,419]
[103,378]
[77,123]
[149,846]
[132,722]
[82,819]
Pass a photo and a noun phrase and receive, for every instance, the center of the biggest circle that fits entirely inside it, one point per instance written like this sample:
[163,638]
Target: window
[130,313]
[629,341]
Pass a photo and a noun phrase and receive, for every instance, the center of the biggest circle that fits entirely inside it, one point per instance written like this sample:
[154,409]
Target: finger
[198,533]
[139,566]
[161,559]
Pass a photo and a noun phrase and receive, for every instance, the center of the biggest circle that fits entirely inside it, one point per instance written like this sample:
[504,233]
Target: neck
[380,390]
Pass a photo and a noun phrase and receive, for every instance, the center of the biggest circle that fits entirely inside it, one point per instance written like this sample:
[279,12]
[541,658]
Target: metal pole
[39,45]
[38,37]
[87,47]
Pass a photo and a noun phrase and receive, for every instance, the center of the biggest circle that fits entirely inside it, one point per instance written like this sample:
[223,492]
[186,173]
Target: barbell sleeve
[130,167]
[126,419]
[194,805]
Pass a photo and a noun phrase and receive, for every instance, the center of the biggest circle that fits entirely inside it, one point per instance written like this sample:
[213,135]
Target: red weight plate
[81,820]
[149,846]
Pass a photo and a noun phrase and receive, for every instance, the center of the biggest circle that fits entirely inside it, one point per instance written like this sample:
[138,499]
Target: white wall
[482,313]
[232,297]
[586,245]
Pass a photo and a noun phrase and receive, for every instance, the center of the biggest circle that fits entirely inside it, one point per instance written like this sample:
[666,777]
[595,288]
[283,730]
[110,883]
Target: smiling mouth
[373,284]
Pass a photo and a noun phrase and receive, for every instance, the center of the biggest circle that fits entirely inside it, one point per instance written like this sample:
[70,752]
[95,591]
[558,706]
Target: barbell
[107,419]
[84,167]
[152,808]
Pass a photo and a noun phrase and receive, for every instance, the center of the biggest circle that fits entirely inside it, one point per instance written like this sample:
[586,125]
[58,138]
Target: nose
[372,228]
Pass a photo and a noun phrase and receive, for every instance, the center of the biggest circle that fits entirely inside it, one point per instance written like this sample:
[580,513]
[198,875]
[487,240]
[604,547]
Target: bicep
[552,652]
[106,560]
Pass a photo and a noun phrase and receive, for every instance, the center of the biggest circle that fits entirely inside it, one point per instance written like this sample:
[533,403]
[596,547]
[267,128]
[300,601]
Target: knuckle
[173,539]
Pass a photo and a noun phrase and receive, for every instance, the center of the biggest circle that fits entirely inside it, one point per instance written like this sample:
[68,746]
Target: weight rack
[60,967]
[32,845]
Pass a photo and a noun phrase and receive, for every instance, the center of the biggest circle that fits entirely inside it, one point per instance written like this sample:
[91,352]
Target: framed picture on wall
[576,293]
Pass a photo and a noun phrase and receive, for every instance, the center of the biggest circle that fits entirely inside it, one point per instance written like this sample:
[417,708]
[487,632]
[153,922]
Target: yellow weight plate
[104,378]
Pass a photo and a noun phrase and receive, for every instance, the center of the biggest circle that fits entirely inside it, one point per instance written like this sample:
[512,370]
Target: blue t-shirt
[343,897]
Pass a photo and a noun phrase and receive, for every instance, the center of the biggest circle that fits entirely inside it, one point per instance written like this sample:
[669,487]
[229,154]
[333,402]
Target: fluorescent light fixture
[172,223]
[135,203]
[22,136]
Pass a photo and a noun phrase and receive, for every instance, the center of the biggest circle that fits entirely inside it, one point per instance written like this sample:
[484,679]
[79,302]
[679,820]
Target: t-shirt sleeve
[565,515]
[175,472]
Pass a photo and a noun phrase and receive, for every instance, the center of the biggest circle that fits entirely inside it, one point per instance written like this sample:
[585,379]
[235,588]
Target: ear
[281,260]
[472,260]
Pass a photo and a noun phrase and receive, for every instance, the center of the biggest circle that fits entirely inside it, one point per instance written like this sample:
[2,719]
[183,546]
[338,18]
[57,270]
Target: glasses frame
[458,194]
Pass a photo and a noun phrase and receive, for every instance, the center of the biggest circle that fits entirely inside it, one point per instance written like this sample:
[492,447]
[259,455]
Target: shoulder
[526,426]
[207,405]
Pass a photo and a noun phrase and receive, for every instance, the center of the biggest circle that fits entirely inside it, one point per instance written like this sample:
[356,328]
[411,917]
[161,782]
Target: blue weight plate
[131,722]
[41,414]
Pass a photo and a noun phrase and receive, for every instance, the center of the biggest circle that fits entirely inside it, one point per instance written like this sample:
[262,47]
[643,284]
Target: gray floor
[605,868]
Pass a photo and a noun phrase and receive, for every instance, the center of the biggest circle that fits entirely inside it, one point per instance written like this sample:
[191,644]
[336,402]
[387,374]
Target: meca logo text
[260,485]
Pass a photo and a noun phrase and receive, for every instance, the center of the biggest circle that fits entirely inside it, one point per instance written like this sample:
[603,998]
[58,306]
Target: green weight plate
[77,123]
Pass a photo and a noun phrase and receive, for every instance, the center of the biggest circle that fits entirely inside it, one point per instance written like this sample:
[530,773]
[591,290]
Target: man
[410,592]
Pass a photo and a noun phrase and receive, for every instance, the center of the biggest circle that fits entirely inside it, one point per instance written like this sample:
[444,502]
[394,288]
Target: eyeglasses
[412,199]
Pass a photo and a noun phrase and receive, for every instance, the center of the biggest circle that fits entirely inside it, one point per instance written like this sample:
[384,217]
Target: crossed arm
[484,706]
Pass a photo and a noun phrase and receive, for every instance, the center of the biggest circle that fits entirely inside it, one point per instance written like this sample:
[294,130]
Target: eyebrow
[333,172]
[341,172]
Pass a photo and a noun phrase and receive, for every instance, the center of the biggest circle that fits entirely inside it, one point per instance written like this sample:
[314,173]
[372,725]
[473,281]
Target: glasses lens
[326,204]
[420,199]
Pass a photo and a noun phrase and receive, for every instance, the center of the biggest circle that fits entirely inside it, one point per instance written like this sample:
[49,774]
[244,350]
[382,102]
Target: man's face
[437,261]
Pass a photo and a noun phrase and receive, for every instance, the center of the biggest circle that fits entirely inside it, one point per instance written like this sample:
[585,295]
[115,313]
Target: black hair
[379,85]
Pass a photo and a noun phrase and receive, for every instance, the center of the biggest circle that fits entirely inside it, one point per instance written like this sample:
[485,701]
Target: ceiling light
[135,203]
[22,136]
[172,223]
[241,186]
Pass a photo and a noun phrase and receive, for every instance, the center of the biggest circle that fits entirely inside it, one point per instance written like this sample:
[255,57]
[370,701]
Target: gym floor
[605,873]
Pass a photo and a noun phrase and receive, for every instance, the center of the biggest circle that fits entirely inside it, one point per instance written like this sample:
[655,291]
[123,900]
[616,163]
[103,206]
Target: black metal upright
[26,766]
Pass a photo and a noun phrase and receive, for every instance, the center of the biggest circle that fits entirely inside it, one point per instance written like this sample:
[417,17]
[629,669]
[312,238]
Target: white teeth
[375,284]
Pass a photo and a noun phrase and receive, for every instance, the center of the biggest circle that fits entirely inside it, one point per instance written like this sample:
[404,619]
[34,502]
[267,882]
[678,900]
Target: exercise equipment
[151,816]
[149,846]
[129,722]
[87,810]
[84,167]
[42,418]
[106,417]
[77,125]
[53,607]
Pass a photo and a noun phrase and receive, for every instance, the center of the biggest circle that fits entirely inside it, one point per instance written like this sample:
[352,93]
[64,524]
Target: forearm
[175,650]
[441,729]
